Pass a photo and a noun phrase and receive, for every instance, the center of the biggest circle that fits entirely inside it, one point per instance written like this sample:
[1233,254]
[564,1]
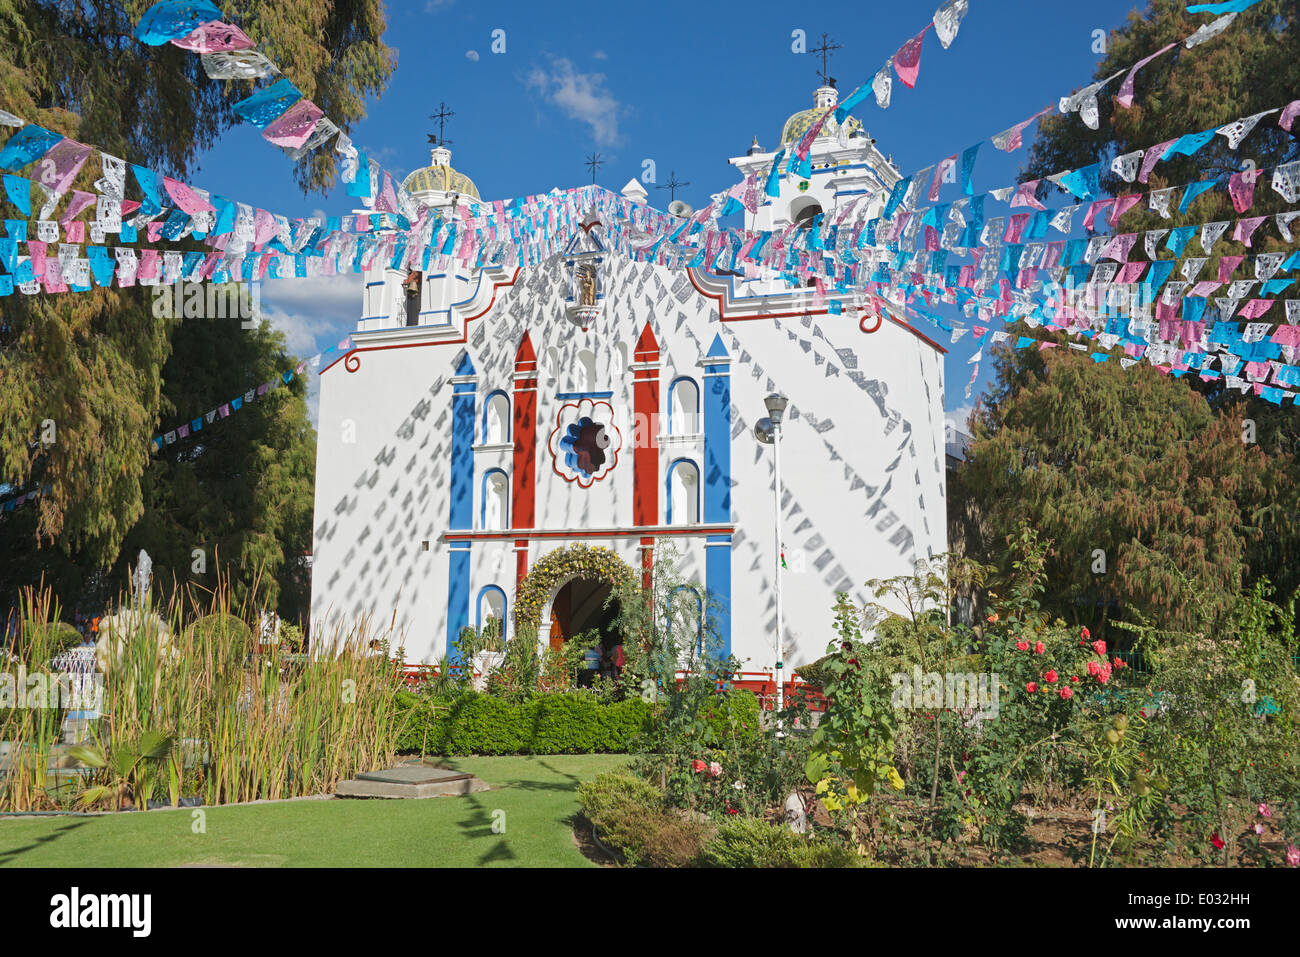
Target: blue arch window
[693,592]
[494,507]
[683,492]
[683,406]
[491,604]
[496,418]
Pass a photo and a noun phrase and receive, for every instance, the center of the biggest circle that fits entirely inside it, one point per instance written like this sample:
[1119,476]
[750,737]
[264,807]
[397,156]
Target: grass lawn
[537,794]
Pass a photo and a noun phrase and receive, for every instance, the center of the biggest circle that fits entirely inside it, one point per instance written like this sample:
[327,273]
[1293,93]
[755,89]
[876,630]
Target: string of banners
[894,260]
[226,409]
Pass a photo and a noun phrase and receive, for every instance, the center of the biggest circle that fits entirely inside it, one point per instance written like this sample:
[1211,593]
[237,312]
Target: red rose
[1074,678]
[1067,692]
[699,766]
[1216,841]
[1085,633]
[1039,648]
[1051,676]
[1119,663]
[1031,687]
[1022,646]
[1094,669]
[1099,646]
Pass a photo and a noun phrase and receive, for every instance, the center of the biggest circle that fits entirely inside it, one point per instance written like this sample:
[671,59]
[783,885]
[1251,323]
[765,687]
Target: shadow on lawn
[11,856]
[480,822]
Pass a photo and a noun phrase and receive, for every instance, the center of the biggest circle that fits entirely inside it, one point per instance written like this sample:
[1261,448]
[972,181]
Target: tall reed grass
[194,707]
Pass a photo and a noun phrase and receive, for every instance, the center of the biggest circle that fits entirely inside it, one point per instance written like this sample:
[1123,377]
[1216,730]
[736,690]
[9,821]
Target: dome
[440,177]
[799,124]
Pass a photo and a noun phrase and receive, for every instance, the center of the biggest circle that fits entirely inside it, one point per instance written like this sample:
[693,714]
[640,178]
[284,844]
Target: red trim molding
[438,342]
[522,536]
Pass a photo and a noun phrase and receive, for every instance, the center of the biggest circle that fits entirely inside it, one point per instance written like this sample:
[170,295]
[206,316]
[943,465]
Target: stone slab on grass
[410,781]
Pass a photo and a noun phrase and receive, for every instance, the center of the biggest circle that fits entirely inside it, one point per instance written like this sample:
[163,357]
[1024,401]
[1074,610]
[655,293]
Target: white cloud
[600,55]
[959,418]
[579,96]
[471,55]
[314,314]
[434,6]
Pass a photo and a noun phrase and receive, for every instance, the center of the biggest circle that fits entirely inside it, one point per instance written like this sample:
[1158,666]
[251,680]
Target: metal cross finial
[442,116]
[672,185]
[826,49]
[593,163]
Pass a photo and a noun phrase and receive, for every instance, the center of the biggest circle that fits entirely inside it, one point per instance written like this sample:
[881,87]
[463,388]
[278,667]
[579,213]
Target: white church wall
[861,452]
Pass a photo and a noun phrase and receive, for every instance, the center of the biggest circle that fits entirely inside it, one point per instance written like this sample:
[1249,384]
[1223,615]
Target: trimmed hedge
[561,723]
[566,723]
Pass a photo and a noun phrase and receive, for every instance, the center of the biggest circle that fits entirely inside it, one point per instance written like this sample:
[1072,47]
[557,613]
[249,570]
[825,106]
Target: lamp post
[768,431]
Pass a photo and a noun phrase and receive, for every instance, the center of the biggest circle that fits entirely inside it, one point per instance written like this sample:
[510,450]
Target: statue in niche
[586,276]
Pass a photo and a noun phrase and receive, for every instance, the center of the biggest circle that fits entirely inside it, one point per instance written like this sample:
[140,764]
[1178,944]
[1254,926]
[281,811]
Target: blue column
[461,508]
[717,488]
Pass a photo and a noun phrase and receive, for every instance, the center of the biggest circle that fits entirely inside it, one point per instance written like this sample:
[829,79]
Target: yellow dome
[799,124]
[440,179]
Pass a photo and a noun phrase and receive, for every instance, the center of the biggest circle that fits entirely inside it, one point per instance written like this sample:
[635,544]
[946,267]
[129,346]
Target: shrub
[43,641]
[225,627]
[630,818]
[816,672]
[750,842]
[561,723]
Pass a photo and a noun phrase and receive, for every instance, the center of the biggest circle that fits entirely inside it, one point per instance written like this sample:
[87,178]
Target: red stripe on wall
[523,506]
[645,458]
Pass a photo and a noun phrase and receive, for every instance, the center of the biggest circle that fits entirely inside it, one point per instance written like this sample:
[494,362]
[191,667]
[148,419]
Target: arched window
[683,493]
[683,407]
[685,620]
[586,371]
[496,419]
[495,514]
[803,210]
[412,287]
[492,610]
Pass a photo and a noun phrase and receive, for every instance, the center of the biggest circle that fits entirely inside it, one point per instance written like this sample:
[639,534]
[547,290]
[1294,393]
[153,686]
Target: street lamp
[768,431]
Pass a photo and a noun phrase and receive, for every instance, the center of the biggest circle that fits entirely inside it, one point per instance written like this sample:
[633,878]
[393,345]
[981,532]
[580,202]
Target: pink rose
[1094,669]
[1039,648]
[1293,855]
[1099,646]
[1067,693]
[715,769]
[1022,646]
[1264,811]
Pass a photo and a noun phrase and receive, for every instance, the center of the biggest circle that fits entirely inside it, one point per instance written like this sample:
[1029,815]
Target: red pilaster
[523,509]
[645,458]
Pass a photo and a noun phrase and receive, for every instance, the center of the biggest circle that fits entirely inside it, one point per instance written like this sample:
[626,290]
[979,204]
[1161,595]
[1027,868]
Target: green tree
[94,364]
[1132,476]
[239,492]
[1253,67]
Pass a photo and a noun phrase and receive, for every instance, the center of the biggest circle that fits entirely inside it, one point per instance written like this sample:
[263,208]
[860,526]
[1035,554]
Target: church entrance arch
[568,592]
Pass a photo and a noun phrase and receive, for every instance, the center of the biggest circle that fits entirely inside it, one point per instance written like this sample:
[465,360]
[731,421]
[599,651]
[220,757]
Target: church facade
[486,421]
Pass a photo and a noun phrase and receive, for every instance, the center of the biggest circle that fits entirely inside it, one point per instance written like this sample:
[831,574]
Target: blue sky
[686,85]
